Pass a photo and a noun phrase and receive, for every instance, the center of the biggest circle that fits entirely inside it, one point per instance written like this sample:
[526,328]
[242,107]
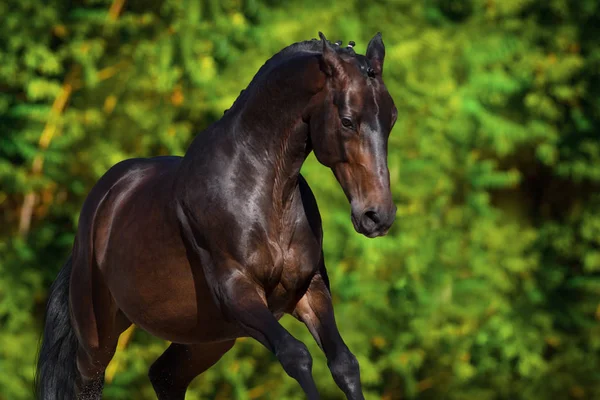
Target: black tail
[56,368]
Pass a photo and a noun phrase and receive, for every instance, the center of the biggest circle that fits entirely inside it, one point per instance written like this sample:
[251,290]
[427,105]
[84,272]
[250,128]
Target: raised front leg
[244,302]
[316,311]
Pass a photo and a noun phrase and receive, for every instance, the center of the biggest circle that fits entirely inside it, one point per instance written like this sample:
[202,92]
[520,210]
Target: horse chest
[293,268]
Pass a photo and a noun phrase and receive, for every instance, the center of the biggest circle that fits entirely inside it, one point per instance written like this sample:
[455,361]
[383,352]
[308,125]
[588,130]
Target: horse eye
[347,122]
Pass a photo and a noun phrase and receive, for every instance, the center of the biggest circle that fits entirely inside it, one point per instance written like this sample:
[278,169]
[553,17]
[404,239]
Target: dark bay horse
[203,249]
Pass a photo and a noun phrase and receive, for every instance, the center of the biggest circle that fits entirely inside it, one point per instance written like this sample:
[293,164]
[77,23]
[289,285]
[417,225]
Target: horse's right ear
[332,63]
[376,53]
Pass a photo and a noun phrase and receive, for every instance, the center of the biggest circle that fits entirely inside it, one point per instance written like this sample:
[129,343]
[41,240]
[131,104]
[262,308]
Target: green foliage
[488,285]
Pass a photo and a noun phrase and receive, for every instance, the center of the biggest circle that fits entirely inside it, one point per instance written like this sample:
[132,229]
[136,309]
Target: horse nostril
[370,221]
[373,216]
[373,222]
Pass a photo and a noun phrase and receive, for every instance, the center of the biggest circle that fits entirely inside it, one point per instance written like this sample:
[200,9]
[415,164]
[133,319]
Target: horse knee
[344,368]
[295,358]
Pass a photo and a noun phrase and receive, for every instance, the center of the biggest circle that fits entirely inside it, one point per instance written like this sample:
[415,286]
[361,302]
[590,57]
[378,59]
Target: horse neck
[270,122]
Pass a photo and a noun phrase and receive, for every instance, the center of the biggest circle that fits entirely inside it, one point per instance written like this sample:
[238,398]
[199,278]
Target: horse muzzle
[373,221]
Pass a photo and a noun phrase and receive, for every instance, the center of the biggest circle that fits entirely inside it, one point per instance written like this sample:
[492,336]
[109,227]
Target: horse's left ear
[376,53]
[332,61]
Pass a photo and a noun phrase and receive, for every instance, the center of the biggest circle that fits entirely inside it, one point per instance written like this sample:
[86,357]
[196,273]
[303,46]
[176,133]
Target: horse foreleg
[316,311]
[175,369]
[245,303]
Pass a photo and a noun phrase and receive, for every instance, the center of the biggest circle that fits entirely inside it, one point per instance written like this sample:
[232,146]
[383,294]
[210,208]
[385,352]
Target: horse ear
[376,53]
[331,60]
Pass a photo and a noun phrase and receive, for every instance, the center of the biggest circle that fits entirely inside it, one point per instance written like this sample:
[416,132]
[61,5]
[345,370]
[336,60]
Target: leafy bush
[488,285]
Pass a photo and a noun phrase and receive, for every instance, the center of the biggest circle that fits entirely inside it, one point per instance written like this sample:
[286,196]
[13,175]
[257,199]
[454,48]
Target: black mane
[307,46]
[314,46]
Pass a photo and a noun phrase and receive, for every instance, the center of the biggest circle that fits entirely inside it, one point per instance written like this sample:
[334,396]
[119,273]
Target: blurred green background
[488,285]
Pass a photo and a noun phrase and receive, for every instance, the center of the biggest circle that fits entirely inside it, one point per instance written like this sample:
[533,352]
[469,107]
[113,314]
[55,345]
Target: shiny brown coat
[219,244]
